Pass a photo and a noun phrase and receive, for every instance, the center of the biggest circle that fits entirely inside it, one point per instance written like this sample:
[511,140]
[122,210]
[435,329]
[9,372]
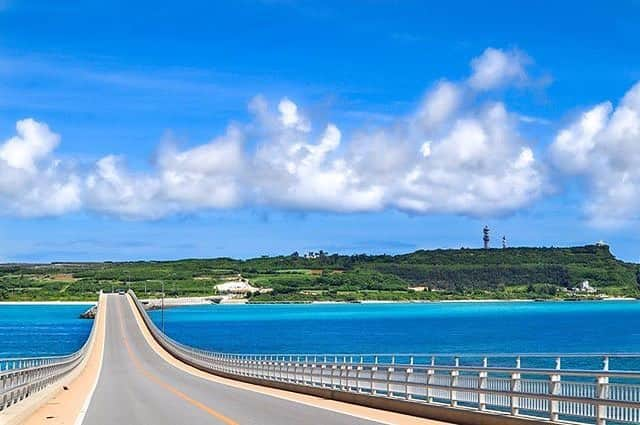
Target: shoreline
[517,300]
[461,301]
[194,301]
[48,303]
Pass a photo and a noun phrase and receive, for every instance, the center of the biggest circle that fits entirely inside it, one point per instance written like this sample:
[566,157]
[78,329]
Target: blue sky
[132,130]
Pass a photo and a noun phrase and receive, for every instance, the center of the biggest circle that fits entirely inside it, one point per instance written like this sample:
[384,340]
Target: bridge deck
[137,386]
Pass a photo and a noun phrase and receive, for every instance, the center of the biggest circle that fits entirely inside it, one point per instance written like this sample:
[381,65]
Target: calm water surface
[41,330]
[409,328]
[352,328]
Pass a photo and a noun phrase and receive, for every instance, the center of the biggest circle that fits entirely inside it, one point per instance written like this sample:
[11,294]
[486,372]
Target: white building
[584,286]
[236,287]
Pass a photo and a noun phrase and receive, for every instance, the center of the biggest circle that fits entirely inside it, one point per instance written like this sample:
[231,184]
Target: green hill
[424,274]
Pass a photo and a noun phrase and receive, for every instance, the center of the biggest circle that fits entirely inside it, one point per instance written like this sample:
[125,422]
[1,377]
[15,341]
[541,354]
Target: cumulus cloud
[292,171]
[452,154]
[601,145]
[474,163]
[111,189]
[33,142]
[574,146]
[206,176]
[496,68]
[289,116]
[32,183]
[439,104]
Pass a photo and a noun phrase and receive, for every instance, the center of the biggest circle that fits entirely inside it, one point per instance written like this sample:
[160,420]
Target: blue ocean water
[612,326]
[352,328]
[42,330]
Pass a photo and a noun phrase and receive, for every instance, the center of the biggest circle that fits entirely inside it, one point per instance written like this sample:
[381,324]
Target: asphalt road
[136,386]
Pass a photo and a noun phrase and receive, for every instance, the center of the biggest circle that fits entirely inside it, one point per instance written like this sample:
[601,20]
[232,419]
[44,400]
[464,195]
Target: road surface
[137,386]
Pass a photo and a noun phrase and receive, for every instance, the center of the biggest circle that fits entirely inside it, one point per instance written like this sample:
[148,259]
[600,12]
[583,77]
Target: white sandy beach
[619,299]
[174,302]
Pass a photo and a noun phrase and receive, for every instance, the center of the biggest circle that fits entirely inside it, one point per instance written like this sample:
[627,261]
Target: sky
[137,130]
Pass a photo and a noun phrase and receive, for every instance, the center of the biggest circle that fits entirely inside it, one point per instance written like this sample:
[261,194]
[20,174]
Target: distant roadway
[137,386]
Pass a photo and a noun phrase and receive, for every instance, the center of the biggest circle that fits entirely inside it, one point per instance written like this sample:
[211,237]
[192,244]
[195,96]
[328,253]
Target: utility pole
[162,308]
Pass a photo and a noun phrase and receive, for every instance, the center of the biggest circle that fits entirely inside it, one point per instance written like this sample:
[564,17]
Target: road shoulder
[66,407]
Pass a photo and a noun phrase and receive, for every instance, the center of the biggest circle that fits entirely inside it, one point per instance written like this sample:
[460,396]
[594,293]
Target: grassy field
[548,273]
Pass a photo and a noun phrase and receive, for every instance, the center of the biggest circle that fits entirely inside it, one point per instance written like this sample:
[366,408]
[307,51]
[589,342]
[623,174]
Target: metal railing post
[515,388]
[602,392]
[453,383]
[430,376]
[408,372]
[554,390]
[482,385]
[388,379]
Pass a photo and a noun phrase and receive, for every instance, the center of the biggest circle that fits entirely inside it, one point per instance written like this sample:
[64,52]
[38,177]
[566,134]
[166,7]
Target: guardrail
[561,388]
[21,377]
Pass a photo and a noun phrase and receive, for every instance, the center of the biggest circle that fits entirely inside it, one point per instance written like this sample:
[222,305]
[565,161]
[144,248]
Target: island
[548,273]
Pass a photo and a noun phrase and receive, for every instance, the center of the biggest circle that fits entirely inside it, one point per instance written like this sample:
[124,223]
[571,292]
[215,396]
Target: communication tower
[485,237]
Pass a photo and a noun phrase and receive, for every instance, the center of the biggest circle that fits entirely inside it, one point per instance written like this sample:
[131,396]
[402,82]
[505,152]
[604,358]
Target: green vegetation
[549,273]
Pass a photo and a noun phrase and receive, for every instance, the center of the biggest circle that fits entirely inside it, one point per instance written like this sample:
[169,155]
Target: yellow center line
[165,385]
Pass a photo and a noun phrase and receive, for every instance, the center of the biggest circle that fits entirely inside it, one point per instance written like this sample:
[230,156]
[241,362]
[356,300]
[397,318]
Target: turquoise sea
[612,326]
[41,330]
[496,327]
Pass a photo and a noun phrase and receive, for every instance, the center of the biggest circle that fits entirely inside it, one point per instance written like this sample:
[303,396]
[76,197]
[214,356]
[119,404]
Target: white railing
[21,377]
[544,386]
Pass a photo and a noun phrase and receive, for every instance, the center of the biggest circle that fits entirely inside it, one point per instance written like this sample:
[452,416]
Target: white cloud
[478,166]
[439,104]
[425,149]
[289,116]
[574,146]
[292,171]
[207,176]
[32,183]
[496,68]
[111,189]
[473,162]
[601,145]
[33,142]
[453,154]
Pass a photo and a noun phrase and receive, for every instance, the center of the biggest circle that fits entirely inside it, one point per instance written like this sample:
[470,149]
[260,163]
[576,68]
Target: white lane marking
[87,401]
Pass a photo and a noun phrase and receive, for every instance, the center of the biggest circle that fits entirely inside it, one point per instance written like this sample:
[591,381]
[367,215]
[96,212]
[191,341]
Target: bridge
[130,372]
